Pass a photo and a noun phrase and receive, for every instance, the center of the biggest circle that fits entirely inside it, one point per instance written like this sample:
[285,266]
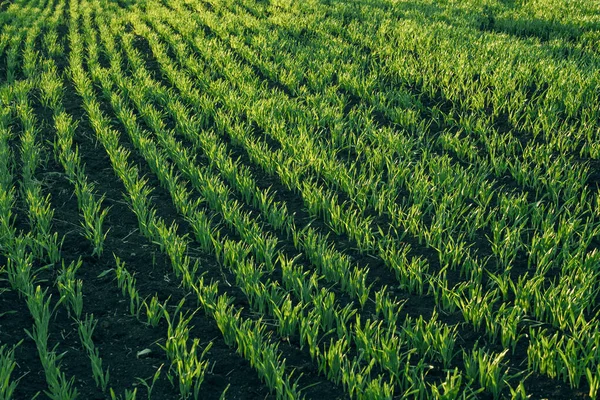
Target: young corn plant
[487,370]
[128,395]
[189,366]
[593,379]
[59,387]
[70,288]
[85,329]
[450,388]
[7,366]
[93,217]
[127,283]
[150,387]
[288,316]
[154,310]
[19,267]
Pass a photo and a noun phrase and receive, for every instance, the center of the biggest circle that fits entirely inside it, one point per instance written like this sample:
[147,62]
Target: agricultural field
[319,199]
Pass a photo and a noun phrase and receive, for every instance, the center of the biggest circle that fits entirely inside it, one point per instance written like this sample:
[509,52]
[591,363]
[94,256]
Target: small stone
[144,353]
